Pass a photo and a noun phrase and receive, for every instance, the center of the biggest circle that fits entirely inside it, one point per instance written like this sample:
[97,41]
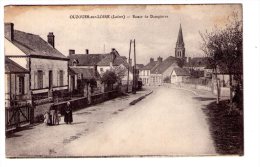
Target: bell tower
[180,49]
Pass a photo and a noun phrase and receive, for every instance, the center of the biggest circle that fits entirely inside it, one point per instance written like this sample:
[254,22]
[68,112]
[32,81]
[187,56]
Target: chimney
[159,59]
[189,59]
[9,31]
[151,60]
[130,62]
[71,52]
[51,39]
[87,52]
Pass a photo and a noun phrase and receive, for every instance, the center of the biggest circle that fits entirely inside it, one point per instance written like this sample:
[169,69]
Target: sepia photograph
[123,80]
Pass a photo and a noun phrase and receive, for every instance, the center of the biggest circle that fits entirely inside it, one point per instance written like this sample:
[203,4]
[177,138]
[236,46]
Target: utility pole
[129,66]
[134,71]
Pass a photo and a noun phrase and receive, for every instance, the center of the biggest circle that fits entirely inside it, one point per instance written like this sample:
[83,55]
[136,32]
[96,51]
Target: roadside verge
[140,98]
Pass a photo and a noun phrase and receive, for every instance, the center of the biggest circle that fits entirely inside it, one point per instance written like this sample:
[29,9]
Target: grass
[226,127]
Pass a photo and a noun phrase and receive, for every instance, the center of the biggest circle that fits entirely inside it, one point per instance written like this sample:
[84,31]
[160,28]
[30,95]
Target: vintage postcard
[123,80]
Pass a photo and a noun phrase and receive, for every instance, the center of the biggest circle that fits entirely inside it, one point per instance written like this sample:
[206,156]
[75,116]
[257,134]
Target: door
[50,79]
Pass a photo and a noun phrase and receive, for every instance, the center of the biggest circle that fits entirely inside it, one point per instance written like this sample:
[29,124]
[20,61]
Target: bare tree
[223,46]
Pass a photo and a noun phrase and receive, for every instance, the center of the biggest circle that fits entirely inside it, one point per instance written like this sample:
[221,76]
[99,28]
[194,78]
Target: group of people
[53,116]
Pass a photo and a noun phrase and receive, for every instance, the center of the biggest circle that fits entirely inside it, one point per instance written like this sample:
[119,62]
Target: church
[160,71]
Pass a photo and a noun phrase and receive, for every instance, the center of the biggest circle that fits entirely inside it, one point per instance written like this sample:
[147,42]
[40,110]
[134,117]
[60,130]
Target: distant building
[48,68]
[178,75]
[163,70]
[101,63]
[146,71]
[199,67]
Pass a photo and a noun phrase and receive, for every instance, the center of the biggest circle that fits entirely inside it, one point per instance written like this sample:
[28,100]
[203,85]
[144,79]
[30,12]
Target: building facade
[48,68]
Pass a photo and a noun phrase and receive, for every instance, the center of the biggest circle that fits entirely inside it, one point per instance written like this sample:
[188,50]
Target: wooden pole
[129,66]
[134,76]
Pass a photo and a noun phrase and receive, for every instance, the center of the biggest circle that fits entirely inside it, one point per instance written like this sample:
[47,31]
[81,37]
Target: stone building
[48,68]
[145,72]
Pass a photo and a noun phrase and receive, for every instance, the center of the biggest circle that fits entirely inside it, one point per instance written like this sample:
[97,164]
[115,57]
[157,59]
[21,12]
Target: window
[101,70]
[40,79]
[21,85]
[61,77]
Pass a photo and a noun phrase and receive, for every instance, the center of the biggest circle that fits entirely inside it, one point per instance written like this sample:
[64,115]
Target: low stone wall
[224,91]
[76,104]
[40,110]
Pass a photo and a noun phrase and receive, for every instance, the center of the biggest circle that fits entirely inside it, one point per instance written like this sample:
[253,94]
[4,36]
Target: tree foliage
[109,77]
[224,48]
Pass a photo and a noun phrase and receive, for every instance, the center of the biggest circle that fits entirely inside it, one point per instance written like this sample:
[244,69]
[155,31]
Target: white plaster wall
[46,65]
[105,68]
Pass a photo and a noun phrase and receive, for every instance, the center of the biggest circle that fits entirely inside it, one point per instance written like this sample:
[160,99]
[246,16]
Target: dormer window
[75,62]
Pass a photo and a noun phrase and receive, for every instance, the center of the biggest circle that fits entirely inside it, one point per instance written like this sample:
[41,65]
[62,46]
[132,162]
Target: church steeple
[180,49]
[180,37]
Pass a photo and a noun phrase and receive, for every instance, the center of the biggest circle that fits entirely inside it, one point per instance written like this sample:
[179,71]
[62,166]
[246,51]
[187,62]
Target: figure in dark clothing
[68,114]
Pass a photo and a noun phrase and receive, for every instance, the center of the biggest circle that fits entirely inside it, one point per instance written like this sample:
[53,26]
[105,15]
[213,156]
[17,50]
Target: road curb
[140,98]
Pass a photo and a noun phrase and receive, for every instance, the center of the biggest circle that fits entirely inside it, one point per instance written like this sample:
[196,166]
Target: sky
[154,36]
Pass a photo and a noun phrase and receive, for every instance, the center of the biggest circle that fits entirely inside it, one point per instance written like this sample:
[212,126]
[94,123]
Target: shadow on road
[12,133]
[204,98]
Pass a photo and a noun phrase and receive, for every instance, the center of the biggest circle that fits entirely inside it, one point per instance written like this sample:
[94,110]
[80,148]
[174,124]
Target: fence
[83,102]
[17,116]
[204,84]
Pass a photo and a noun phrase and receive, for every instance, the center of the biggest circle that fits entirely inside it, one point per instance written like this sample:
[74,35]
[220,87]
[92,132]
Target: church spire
[180,37]
[180,49]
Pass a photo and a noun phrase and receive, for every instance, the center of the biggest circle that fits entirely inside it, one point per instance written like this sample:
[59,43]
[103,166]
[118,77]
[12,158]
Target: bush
[167,79]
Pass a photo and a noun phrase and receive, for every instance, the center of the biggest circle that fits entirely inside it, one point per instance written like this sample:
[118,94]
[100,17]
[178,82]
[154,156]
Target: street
[170,121]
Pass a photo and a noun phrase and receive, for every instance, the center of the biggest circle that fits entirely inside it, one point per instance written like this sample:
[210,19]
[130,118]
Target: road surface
[168,122]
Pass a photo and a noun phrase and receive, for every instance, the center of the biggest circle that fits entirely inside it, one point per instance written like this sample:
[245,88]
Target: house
[138,70]
[16,83]
[101,63]
[88,81]
[178,75]
[145,72]
[198,66]
[162,72]
[73,77]
[86,60]
[117,63]
[48,68]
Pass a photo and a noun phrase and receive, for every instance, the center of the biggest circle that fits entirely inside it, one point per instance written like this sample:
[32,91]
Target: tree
[120,71]
[223,46]
[167,79]
[109,78]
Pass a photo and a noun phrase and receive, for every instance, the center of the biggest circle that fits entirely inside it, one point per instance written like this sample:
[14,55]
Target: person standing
[68,114]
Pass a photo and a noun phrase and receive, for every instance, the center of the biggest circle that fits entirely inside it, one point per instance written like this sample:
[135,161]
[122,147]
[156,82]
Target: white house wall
[47,65]
[105,68]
